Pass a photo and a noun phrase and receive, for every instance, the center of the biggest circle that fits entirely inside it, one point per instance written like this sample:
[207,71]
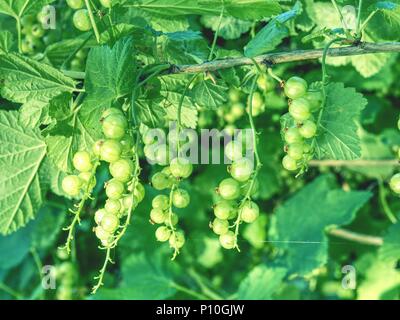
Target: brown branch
[354,163]
[273,58]
[356,237]
[291,56]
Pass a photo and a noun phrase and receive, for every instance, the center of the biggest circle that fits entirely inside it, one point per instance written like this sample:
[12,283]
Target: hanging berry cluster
[299,127]
[34,36]
[124,191]
[169,178]
[235,204]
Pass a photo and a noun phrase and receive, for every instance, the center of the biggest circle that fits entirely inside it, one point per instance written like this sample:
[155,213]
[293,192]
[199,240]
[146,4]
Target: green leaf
[26,79]
[230,28]
[261,283]
[337,138]
[391,12]
[22,152]
[380,281]
[253,9]
[390,250]
[19,8]
[33,113]
[269,37]
[14,247]
[110,72]
[209,95]
[147,277]
[299,224]
[6,41]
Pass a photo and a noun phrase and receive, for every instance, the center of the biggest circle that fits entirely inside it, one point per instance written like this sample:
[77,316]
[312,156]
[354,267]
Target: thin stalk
[19,32]
[39,266]
[204,288]
[358,23]
[386,209]
[10,291]
[189,291]
[216,34]
[341,18]
[366,21]
[258,164]
[92,21]
[170,213]
[102,271]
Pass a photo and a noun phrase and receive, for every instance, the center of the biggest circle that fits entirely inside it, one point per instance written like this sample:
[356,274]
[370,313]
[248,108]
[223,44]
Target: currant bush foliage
[77,102]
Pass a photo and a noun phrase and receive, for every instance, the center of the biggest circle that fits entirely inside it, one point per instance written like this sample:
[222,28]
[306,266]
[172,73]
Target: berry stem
[257,158]
[79,207]
[92,21]
[102,271]
[210,56]
[386,209]
[174,186]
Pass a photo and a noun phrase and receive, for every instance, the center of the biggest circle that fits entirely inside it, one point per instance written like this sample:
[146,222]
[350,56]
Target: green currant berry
[242,169]
[122,169]
[299,109]
[181,168]
[264,83]
[306,148]
[395,183]
[158,216]
[98,216]
[27,20]
[161,153]
[87,178]
[81,20]
[295,87]
[160,202]
[160,181]
[229,189]
[173,221]
[96,149]
[234,150]
[139,192]
[180,198]
[115,189]
[76,65]
[257,100]
[314,99]
[295,150]
[249,212]
[111,111]
[82,161]
[127,202]
[110,151]
[177,240]
[152,135]
[308,129]
[398,124]
[289,163]
[223,209]
[234,95]
[113,206]
[75,4]
[106,3]
[114,126]
[101,233]
[149,152]
[220,226]
[237,110]
[292,135]
[71,185]
[228,240]
[110,222]
[163,234]
[37,31]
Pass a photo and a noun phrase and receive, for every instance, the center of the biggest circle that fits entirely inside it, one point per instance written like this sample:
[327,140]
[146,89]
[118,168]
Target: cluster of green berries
[395,180]
[34,35]
[75,185]
[67,278]
[235,196]
[168,178]
[78,63]
[302,104]
[81,18]
[123,192]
